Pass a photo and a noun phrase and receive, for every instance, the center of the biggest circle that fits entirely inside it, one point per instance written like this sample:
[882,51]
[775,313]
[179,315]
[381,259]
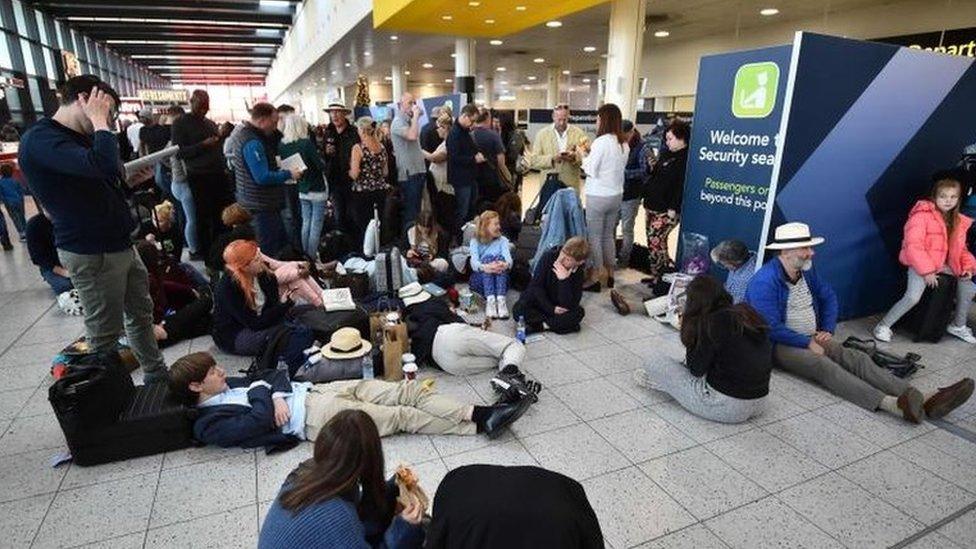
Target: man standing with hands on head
[74,168]
[411,170]
[200,150]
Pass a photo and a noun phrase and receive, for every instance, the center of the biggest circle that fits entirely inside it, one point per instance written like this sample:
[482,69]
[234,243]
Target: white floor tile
[95,474]
[944,465]
[769,524]
[20,519]
[32,433]
[822,440]
[693,537]
[642,435]
[272,470]
[766,460]
[508,453]
[961,531]
[609,359]
[576,451]
[595,398]
[700,429]
[11,402]
[558,369]
[230,530]
[933,541]
[129,541]
[548,414]
[647,397]
[882,429]
[178,497]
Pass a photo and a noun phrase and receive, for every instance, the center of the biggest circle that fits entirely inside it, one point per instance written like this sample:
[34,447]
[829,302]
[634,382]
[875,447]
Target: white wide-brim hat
[337,107]
[413,293]
[346,343]
[793,235]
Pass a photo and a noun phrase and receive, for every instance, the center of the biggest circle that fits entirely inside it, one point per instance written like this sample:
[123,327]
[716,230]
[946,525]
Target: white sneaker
[502,308]
[962,332]
[491,307]
[882,333]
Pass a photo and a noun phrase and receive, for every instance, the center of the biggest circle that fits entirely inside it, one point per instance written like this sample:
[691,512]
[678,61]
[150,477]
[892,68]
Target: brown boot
[619,303]
[911,403]
[949,398]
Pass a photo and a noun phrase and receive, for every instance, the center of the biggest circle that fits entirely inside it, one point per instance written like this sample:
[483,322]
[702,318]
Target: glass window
[13,99]
[60,33]
[41,27]
[52,67]
[6,61]
[25,51]
[35,94]
[19,16]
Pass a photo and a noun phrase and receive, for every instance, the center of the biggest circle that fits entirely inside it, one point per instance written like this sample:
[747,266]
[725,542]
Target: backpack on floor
[899,366]
[928,320]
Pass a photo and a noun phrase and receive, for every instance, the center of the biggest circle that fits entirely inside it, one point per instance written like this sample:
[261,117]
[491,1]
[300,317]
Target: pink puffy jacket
[926,248]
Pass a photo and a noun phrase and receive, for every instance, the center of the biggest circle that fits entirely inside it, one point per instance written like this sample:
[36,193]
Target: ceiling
[185,41]
[369,51]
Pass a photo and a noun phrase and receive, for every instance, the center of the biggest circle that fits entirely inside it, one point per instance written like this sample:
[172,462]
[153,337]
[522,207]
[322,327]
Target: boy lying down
[276,413]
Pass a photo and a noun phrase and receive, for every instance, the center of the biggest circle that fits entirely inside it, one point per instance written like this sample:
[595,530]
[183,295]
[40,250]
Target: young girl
[491,259]
[935,242]
[427,243]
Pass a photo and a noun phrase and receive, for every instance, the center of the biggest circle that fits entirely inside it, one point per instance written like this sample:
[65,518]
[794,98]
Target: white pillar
[552,89]
[624,54]
[489,91]
[399,83]
[465,67]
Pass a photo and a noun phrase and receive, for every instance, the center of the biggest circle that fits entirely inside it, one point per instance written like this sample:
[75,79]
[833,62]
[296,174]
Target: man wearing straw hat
[340,138]
[801,310]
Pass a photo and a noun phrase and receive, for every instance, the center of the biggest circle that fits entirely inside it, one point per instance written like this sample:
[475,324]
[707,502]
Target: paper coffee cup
[410,371]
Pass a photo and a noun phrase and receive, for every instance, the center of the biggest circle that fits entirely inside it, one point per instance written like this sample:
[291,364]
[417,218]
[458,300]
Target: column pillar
[552,87]
[464,67]
[489,91]
[624,54]
[399,82]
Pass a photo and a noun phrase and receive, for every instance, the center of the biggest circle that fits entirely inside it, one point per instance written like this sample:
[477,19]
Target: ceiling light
[323,79]
[388,78]
[554,24]
[453,55]
[448,80]
[394,37]
[427,65]
[566,73]
[586,80]
[526,87]
[474,4]
[489,21]
[662,34]
[366,53]
[495,42]
[447,17]
[274,3]
[539,60]
[768,11]
[532,78]
[520,8]
[506,96]
[348,64]
[333,73]
[161,20]
[589,49]
[504,82]
[481,86]
[500,69]
[406,73]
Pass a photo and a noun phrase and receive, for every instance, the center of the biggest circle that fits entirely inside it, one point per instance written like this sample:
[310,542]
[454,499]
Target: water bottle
[520,330]
[368,366]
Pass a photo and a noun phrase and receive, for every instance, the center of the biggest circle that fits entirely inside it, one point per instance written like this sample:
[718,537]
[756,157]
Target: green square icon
[754,94]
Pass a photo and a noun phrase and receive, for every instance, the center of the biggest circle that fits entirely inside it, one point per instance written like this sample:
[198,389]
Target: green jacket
[313,181]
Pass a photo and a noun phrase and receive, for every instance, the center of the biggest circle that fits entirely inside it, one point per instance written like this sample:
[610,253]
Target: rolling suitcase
[928,320]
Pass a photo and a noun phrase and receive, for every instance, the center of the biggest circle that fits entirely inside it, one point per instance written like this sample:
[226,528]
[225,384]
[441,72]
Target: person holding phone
[554,149]
[74,169]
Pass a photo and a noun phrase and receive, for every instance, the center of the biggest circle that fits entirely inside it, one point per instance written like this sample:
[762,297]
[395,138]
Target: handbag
[899,366]
[396,342]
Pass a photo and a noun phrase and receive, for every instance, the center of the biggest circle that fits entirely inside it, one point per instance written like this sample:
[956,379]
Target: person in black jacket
[552,300]
[662,200]
[729,357]
[43,253]
[463,159]
[340,138]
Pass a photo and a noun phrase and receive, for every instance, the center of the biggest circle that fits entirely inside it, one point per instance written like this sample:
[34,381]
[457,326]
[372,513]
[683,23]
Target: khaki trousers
[462,350]
[403,407]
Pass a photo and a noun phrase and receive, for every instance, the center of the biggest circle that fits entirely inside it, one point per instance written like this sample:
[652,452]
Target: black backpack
[93,392]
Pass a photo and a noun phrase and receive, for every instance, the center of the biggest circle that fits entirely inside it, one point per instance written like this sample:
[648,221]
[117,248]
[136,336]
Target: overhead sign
[960,42]
[163,96]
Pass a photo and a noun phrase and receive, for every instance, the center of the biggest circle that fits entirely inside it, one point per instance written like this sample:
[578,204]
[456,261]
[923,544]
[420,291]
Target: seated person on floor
[238,220]
[801,310]
[340,499]
[428,243]
[274,412]
[491,259]
[512,507]
[509,208]
[735,257]
[552,300]
[728,356]
[165,232]
[441,338]
[180,312]
[43,253]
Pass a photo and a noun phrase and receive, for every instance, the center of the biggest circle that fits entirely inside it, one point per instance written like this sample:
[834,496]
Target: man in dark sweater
[72,163]
[43,253]
[552,300]
[462,163]
[340,138]
[200,150]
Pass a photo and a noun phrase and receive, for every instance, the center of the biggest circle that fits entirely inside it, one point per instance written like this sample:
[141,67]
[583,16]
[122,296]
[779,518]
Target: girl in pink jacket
[935,242]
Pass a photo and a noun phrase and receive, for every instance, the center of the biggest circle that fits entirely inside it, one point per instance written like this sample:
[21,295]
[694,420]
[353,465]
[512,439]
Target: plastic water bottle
[368,366]
[520,330]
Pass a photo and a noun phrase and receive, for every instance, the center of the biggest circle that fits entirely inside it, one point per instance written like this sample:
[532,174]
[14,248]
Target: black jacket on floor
[423,320]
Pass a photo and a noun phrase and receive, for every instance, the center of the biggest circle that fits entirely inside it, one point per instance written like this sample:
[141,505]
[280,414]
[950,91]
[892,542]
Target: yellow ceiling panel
[484,18]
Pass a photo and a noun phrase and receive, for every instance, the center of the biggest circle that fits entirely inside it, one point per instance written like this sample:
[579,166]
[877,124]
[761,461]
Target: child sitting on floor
[428,243]
[491,259]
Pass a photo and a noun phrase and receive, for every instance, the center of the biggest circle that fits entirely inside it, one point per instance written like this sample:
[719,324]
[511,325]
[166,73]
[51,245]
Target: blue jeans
[489,284]
[464,198]
[270,230]
[16,212]
[412,191]
[58,283]
[181,192]
[313,216]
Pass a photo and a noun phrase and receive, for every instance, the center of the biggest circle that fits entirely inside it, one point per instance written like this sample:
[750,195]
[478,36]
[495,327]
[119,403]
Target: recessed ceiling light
[448,80]
[366,53]
[406,73]
[554,24]
[333,73]
[394,37]
[453,55]
[427,65]
[566,72]
[481,86]
[504,82]
[520,8]
[532,78]
[489,21]
[586,80]
[662,34]
[768,11]
[429,85]
[495,42]
[388,78]
[474,4]
[348,64]
[589,49]
[500,69]
[526,87]
[539,60]
[447,17]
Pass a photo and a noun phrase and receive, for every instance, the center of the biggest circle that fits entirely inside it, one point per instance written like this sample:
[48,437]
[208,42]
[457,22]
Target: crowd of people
[264,204]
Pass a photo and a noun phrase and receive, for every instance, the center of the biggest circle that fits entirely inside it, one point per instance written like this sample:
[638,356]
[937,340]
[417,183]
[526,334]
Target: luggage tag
[60,459]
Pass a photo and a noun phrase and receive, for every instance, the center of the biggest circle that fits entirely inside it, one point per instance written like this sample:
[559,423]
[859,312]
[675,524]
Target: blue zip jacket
[231,425]
[769,291]
[260,168]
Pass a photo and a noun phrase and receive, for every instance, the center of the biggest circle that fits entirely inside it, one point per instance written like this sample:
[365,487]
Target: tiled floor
[813,472]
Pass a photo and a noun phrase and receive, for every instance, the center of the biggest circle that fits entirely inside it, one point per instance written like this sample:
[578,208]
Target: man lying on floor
[276,413]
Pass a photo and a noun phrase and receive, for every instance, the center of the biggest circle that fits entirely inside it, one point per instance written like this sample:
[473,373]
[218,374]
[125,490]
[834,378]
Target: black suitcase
[324,323]
[106,418]
[928,320]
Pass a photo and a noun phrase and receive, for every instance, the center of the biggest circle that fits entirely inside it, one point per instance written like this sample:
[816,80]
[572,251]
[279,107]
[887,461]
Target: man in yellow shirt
[555,149]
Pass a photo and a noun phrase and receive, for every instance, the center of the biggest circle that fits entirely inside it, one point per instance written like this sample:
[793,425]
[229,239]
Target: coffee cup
[410,371]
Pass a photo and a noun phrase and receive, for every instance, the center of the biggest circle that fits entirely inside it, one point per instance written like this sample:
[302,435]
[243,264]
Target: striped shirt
[800,316]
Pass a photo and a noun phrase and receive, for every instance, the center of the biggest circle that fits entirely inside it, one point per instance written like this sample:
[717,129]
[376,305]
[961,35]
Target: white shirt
[295,401]
[561,137]
[605,165]
[132,132]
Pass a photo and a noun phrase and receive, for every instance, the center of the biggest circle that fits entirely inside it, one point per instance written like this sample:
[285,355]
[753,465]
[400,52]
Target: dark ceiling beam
[201,28]
[243,52]
[111,37]
[169,6]
[160,12]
